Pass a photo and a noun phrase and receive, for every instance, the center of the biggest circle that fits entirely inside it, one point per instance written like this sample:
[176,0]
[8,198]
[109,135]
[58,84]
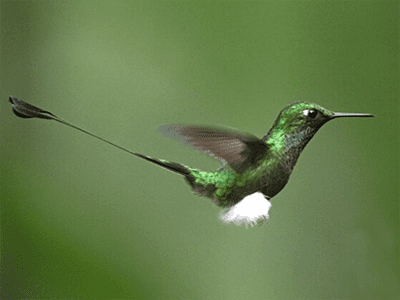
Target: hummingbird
[253,169]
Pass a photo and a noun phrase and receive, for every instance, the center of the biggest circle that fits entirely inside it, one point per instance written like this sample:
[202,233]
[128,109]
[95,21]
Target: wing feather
[237,149]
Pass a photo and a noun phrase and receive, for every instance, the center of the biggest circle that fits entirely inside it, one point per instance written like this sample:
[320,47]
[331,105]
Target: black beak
[343,115]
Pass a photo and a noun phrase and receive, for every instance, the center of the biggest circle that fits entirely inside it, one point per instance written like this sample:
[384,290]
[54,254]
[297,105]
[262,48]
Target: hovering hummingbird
[254,169]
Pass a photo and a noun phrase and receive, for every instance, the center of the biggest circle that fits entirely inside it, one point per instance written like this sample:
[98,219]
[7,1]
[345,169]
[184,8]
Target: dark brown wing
[236,149]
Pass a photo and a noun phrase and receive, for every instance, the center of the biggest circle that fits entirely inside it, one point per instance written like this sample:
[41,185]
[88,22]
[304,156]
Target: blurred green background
[80,219]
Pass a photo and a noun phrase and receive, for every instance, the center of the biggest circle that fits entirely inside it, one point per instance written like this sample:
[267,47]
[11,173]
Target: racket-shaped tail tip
[25,110]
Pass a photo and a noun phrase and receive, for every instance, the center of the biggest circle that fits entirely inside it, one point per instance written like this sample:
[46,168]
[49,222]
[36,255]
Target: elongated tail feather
[192,176]
[171,166]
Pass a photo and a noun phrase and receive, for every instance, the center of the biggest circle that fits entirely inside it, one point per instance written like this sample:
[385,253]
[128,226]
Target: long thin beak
[342,115]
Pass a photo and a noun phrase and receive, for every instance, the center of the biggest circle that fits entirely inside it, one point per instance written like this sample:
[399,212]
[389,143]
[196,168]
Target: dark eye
[312,113]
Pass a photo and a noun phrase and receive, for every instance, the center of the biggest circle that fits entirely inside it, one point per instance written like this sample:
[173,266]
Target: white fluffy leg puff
[252,210]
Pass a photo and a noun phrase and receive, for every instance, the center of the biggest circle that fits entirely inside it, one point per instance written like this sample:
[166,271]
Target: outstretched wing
[236,149]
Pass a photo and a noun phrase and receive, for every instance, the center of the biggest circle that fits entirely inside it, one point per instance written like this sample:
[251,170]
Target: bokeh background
[81,219]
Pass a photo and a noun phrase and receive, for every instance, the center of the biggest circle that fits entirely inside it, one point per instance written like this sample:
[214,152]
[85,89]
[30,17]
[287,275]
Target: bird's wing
[237,149]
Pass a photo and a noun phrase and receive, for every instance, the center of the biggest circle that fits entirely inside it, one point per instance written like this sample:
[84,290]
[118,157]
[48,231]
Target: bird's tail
[174,167]
[25,110]
[171,166]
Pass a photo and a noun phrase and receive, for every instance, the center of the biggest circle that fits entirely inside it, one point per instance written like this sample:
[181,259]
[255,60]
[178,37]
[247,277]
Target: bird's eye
[311,113]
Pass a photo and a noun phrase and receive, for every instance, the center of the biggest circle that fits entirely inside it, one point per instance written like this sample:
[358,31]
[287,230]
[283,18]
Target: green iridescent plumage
[268,161]
[253,168]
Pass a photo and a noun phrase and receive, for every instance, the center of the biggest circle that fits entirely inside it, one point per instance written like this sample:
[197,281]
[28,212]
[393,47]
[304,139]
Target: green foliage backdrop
[80,219]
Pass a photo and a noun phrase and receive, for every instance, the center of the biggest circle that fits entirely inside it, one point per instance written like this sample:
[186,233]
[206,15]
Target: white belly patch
[251,210]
